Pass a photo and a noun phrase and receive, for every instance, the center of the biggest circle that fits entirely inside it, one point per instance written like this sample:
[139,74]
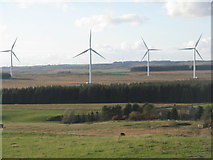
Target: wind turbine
[90,57]
[148,57]
[11,57]
[194,56]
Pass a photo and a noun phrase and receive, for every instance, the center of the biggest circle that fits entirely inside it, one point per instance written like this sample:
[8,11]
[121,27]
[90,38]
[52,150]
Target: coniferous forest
[153,92]
[170,68]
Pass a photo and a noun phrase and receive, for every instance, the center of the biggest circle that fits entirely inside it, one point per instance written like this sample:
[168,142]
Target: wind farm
[105,80]
[109,73]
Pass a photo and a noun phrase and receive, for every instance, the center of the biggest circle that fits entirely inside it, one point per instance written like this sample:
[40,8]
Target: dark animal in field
[1,126]
[122,134]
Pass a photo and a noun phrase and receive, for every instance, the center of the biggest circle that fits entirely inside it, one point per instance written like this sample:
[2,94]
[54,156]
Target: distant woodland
[153,92]
[171,68]
[5,76]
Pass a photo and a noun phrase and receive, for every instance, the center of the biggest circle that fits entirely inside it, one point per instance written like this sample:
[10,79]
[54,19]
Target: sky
[52,32]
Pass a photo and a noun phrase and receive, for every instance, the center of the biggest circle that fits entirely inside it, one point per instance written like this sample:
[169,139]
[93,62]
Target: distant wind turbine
[148,57]
[11,57]
[90,57]
[194,56]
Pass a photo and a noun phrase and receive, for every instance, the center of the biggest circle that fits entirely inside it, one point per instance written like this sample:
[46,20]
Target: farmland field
[28,134]
[27,80]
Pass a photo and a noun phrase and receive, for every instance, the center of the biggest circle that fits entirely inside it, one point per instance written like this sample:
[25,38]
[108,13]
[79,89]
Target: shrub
[83,118]
[135,107]
[55,118]
[149,117]
[68,117]
[117,110]
[198,112]
[97,118]
[136,116]
[115,117]
[127,109]
[174,114]
[207,115]
[148,108]
[106,113]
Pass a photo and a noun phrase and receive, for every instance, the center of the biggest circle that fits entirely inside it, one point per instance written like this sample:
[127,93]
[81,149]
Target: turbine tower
[194,56]
[11,57]
[90,57]
[148,56]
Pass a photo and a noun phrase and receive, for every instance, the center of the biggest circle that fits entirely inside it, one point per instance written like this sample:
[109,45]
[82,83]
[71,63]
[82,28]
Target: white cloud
[124,51]
[187,8]
[101,22]
[121,47]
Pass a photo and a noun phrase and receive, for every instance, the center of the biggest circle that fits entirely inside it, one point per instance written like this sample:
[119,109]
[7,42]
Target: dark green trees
[155,92]
[174,114]
[198,112]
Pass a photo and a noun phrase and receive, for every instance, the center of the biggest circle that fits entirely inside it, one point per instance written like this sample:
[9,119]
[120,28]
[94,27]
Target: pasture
[28,134]
[99,77]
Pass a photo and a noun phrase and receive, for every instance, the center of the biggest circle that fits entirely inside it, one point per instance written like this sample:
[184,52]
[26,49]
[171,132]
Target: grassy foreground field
[29,135]
[34,145]
[29,80]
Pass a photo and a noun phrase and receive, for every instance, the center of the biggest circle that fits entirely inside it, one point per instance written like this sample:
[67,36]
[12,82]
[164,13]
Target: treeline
[71,117]
[138,112]
[170,68]
[148,111]
[5,76]
[154,92]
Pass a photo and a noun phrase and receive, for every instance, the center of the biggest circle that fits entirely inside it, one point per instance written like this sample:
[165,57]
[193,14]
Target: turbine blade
[6,51]
[145,54]
[144,43]
[198,41]
[14,44]
[81,53]
[198,54]
[90,39]
[97,53]
[15,56]
[186,49]
[154,49]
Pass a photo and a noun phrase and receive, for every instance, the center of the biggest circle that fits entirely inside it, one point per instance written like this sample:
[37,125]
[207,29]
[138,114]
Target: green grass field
[27,134]
[41,112]
[46,145]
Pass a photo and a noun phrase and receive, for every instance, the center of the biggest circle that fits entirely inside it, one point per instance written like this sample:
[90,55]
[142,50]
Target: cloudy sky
[53,31]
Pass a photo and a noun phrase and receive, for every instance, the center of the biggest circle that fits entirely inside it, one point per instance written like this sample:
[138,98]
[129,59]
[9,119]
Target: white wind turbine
[90,57]
[194,56]
[148,57]
[11,57]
